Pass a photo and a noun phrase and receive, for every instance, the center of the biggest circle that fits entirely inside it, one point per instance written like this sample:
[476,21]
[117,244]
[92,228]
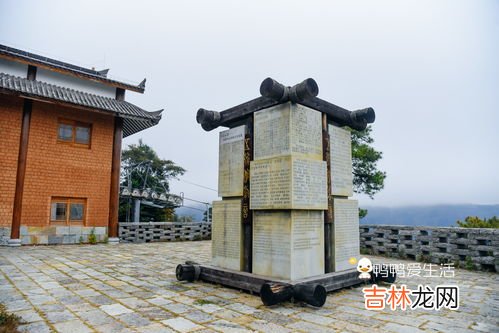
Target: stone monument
[285,225]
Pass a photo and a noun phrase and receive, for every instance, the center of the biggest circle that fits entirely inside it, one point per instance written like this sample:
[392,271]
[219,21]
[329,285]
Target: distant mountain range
[438,215]
[196,211]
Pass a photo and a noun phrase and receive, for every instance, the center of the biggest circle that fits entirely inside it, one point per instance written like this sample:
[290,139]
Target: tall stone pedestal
[345,238]
[288,192]
[226,234]
[285,227]
[288,244]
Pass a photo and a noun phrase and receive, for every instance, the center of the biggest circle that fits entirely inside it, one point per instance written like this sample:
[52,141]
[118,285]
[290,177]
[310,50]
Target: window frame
[74,124]
[68,201]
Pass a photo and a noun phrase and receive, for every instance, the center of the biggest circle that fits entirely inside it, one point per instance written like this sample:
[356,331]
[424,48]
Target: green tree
[205,214]
[476,222]
[367,178]
[144,169]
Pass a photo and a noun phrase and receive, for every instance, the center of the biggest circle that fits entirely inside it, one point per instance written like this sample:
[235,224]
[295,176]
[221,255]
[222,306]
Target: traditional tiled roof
[135,119]
[38,60]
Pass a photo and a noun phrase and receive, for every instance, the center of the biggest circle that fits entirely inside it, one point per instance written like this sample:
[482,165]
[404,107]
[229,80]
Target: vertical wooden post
[247,215]
[120,94]
[31,72]
[21,165]
[114,191]
[21,172]
[328,215]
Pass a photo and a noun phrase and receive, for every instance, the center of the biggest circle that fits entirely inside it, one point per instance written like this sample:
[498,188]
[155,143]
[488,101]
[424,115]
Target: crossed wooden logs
[274,93]
[275,292]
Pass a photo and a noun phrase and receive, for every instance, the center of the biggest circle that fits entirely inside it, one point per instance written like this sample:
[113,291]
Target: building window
[74,133]
[67,211]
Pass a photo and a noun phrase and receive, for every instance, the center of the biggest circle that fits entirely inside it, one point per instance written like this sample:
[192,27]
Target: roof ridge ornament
[274,93]
[103,72]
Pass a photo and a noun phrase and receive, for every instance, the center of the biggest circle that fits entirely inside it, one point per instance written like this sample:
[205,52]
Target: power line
[198,185]
[203,202]
[202,210]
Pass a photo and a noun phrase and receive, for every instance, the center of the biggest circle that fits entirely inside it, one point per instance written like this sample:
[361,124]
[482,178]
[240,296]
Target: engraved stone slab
[231,162]
[226,244]
[288,183]
[287,129]
[341,161]
[346,233]
[288,244]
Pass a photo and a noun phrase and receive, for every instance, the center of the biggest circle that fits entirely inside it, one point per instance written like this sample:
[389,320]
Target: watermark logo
[424,297]
[393,297]
[365,267]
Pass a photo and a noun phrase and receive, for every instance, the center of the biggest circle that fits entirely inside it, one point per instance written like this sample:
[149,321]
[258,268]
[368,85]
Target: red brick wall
[58,169]
[10,131]
[54,169]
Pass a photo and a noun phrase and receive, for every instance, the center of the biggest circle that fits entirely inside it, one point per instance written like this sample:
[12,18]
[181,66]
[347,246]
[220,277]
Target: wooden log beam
[235,279]
[313,294]
[334,280]
[273,293]
[357,120]
[274,93]
[298,93]
[187,272]
[210,120]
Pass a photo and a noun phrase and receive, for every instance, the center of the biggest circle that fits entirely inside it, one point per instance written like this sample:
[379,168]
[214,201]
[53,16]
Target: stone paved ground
[132,288]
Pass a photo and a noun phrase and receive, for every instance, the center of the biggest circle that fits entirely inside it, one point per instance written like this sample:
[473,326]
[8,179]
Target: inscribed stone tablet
[288,244]
[271,132]
[288,129]
[226,244]
[306,132]
[231,162]
[341,161]
[288,183]
[346,233]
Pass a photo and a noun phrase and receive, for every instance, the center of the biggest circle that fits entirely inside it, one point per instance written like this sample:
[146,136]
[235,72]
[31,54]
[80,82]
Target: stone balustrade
[465,247]
[144,232]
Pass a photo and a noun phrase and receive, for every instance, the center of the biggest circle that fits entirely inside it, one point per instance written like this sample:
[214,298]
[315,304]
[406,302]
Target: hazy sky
[430,69]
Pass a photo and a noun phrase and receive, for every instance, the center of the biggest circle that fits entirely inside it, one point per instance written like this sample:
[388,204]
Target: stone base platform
[254,283]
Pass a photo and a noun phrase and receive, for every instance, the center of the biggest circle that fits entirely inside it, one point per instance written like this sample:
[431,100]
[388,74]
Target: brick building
[62,127]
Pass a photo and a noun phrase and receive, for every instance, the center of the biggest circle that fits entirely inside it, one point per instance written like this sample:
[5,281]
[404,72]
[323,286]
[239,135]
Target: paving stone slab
[132,288]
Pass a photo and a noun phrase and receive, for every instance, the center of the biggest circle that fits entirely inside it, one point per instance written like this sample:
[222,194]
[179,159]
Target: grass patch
[202,302]
[8,321]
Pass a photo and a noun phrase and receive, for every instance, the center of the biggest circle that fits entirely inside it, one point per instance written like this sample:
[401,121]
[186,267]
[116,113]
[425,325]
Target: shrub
[8,321]
[402,254]
[92,239]
[366,251]
[476,222]
[426,258]
[468,263]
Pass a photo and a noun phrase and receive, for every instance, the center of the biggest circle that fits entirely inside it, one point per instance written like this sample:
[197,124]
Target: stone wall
[466,247]
[55,235]
[163,231]
[4,235]
[61,235]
